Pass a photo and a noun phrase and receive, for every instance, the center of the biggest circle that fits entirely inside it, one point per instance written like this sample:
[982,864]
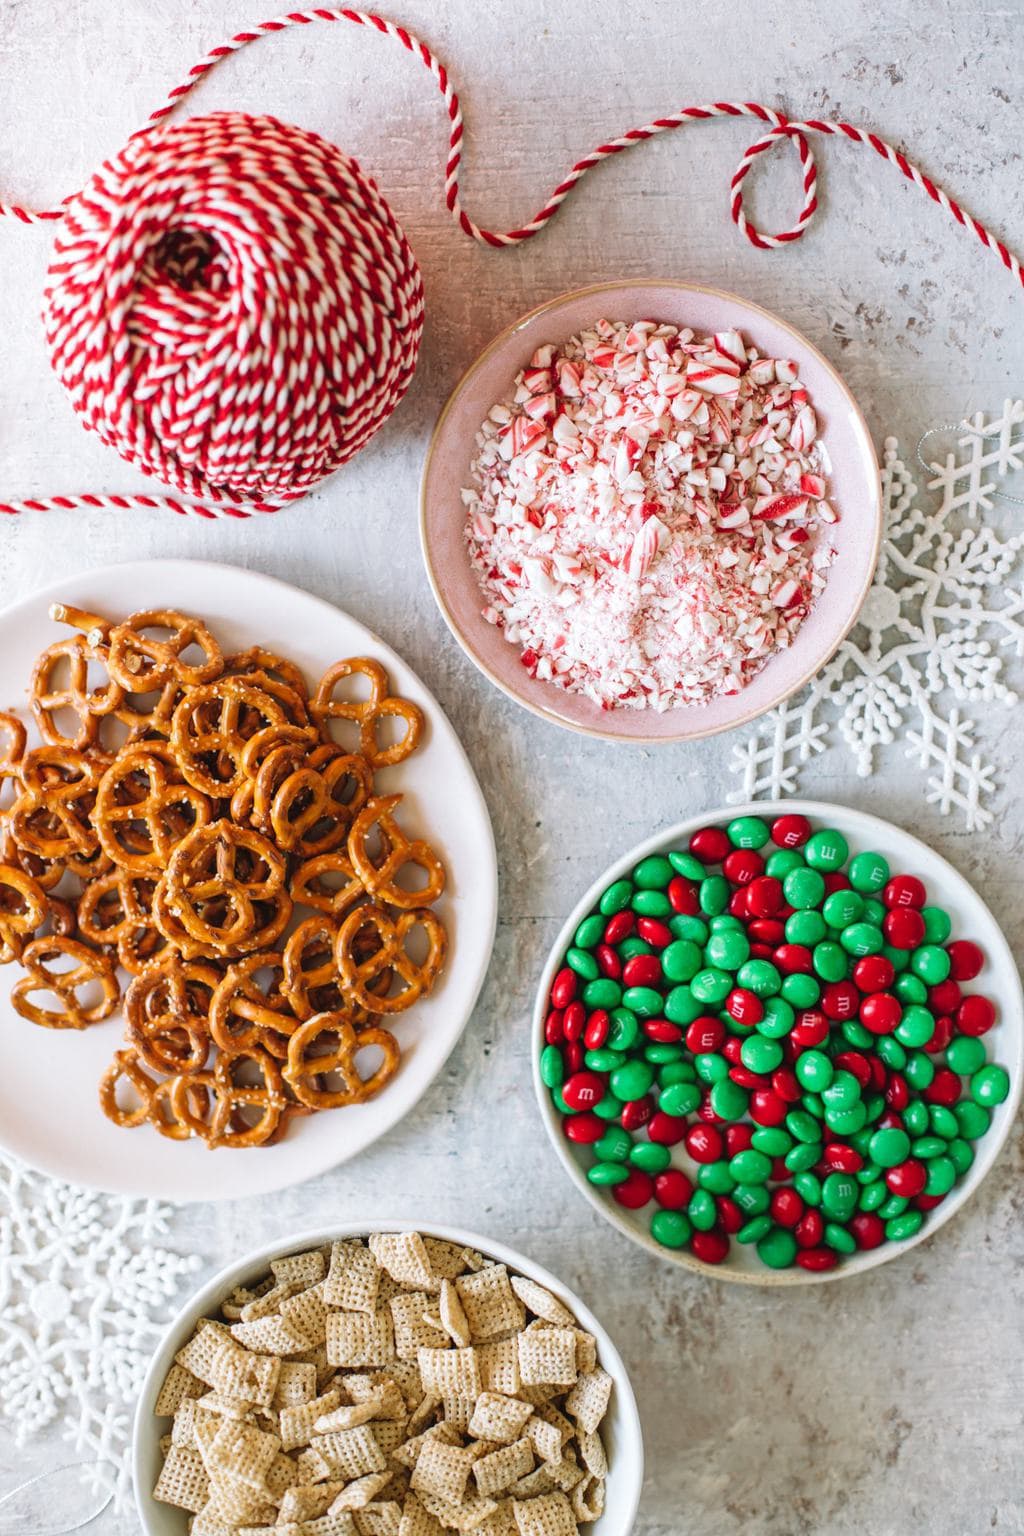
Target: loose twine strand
[779,128]
[63,1527]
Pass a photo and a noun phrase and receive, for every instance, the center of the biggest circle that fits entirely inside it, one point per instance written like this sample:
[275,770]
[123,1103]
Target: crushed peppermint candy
[648,519]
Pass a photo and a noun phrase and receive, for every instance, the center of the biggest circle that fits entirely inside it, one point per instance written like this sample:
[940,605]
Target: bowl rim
[865,1259]
[550,306]
[212,1292]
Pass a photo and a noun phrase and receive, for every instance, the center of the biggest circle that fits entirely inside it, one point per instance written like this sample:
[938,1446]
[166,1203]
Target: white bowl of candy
[301,1387]
[780,1043]
[650,511]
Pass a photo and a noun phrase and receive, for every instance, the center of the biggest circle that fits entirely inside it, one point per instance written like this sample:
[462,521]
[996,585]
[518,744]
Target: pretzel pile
[208,826]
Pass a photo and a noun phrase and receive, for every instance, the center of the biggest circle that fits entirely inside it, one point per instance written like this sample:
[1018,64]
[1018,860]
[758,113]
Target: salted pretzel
[348,782]
[127,1068]
[141,660]
[258,659]
[294,703]
[327,883]
[210,728]
[389,937]
[144,809]
[290,798]
[23,907]
[225,885]
[311,980]
[52,815]
[396,855]
[177,937]
[166,1010]
[237,1100]
[13,741]
[44,872]
[102,916]
[61,919]
[247,1012]
[86,968]
[49,698]
[367,714]
[327,1047]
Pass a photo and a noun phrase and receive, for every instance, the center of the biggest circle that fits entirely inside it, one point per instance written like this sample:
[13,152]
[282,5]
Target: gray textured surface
[884,1405]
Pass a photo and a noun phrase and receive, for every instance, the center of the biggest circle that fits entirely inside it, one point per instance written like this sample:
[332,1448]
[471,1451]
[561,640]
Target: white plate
[49,1114]
[620,1431]
[971,920]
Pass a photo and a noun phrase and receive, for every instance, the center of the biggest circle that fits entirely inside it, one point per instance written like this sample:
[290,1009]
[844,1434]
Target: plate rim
[864,1260]
[526,701]
[219,1194]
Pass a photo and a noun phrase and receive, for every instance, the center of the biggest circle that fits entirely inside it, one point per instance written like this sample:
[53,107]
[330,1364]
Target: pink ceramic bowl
[854,490]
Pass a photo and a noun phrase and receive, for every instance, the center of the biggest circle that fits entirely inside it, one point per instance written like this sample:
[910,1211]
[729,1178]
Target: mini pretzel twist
[325,1047]
[327,883]
[49,698]
[86,967]
[144,809]
[210,728]
[52,815]
[368,713]
[126,1067]
[141,661]
[237,1100]
[389,938]
[23,908]
[14,740]
[245,1014]
[225,885]
[311,980]
[259,660]
[398,853]
[117,908]
[166,1011]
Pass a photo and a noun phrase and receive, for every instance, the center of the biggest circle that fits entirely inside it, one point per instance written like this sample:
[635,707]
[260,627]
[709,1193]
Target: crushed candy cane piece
[648,521]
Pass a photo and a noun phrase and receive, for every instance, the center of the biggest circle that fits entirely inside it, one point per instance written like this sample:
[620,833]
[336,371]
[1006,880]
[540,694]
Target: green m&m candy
[804,888]
[990,1085]
[748,832]
[868,872]
[653,873]
[826,850]
[681,960]
[590,931]
[777,1248]
[616,897]
[965,1055]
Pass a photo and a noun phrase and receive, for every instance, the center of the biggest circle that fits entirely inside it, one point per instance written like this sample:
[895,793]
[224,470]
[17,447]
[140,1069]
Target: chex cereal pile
[647,513]
[398,1386]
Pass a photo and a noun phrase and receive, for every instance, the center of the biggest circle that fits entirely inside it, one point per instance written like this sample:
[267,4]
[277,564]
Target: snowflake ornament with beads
[944,615]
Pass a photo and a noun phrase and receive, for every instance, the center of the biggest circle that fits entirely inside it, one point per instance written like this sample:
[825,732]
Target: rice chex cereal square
[491,1306]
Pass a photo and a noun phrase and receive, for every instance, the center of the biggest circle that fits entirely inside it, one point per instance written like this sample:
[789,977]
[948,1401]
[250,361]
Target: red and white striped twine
[233,306]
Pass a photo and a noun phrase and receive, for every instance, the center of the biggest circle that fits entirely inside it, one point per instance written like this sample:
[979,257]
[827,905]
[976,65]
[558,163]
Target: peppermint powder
[648,521]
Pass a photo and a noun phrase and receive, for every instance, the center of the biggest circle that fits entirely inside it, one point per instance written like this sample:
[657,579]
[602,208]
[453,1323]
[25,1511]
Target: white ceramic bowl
[999,980]
[853,482]
[621,1429]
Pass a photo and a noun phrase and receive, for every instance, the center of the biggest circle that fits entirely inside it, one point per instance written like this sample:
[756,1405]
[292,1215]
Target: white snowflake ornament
[944,614]
[85,1287]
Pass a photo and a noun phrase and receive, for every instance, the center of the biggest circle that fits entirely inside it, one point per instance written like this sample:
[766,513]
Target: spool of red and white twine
[232,305]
